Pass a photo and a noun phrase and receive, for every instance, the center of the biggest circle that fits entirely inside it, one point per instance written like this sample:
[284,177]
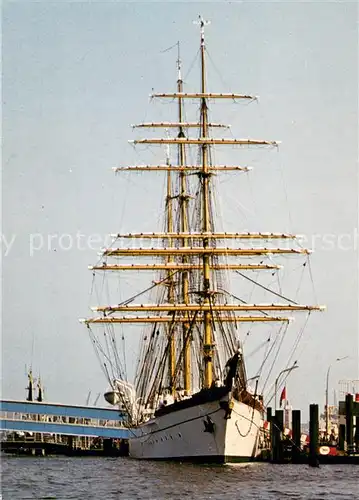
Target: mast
[40,393]
[206,226]
[30,387]
[170,282]
[183,202]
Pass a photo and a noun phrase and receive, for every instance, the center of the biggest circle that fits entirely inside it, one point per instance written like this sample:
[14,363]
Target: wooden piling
[270,437]
[274,438]
[341,437]
[277,436]
[313,435]
[356,434]
[108,447]
[296,435]
[70,443]
[349,410]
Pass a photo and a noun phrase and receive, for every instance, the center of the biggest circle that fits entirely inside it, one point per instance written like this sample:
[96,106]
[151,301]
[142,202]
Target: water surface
[127,479]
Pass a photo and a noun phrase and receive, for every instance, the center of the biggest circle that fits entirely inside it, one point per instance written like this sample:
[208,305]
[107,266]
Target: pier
[50,428]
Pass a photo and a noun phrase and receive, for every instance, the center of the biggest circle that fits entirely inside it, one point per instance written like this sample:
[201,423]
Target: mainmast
[183,202]
[170,280]
[206,225]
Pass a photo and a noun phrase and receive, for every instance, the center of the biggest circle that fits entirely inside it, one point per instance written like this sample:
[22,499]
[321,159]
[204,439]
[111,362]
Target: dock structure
[51,427]
[349,424]
[289,447]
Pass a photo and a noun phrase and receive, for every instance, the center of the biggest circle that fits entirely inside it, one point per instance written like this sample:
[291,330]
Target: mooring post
[108,448]
[270,437]
[349,409]
[356,434]
[70,442]
[341,437]
[296,434]
[313,435]
[274,438]
[278,434]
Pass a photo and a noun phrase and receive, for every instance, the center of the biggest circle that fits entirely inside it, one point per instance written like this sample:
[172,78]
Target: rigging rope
[243,301]
[131,299]
[311,278]
[191,65]
[298,339]
[97,348]
[266,288]
[276,355]
[300,279]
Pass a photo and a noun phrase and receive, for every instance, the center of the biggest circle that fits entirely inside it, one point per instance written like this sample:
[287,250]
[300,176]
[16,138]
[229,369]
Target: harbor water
[126,479]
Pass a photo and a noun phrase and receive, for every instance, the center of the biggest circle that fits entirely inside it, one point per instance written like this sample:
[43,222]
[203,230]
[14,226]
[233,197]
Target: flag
[283,396]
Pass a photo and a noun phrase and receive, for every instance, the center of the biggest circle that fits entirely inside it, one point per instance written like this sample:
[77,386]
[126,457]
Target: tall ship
[190,397]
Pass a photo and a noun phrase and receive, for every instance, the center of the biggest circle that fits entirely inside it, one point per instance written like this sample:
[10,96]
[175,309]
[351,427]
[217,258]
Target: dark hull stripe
[204,459]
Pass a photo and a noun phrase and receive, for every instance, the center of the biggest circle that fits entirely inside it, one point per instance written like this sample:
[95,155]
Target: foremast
[183,205]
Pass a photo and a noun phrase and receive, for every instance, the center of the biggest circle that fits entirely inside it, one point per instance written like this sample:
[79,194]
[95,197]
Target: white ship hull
[185,434]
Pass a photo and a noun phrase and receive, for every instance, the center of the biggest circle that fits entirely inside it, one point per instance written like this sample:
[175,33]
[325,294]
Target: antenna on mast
[202,23]
[179,62]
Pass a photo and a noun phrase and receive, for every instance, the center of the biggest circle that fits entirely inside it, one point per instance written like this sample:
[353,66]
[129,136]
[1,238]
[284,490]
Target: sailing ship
[191,398]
